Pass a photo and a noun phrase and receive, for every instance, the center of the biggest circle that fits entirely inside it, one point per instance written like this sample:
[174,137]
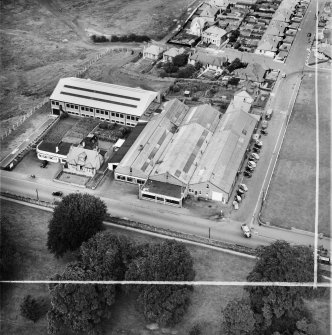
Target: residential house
[153,52]
[209,11]
[268,45]
[199,24]
[209,61]
[214,35]
[84,159]
[276,28]
[222,4]
[254,72]
[282,14]
[169,55]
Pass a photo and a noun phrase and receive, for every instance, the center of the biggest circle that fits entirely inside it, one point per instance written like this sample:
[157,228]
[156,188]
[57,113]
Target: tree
[170,67]
[80,307]
[239,318]
[29,308]
[180,60]
[107,255]
[168,261]
[234,35]
[75,219]
[9,254]
[186,71]
[280,307]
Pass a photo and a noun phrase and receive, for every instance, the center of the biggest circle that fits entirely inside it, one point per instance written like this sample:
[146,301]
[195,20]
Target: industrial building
[108,102]
[185,150]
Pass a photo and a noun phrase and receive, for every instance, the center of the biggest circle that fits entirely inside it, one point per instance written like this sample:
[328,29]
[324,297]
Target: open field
[291,198]
[29,228]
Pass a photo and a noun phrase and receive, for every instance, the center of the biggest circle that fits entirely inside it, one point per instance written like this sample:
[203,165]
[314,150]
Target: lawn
[29,229]
[291,197]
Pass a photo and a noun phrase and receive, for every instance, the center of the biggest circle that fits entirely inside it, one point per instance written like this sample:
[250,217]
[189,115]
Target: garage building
[108,102]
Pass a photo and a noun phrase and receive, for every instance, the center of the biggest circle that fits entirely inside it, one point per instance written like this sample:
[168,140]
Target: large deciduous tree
[75,219]
[168,261]
[80,307]
[239,318]
[278,308]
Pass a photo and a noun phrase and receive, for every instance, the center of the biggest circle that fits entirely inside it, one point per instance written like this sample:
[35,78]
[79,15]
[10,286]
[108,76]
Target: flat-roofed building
[113,103]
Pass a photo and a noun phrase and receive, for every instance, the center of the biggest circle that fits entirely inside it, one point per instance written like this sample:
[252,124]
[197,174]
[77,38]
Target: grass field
[291,198]
[29,229]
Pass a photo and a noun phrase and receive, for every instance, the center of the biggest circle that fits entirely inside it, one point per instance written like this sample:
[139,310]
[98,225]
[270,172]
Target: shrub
[29,308]
[180,60]
[175,88]
[99,39]
[64,115]
[159,65]
[186,72]
[114,38]
[170,68]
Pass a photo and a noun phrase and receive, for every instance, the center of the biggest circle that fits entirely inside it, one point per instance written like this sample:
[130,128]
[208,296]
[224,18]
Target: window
[76,107]
[160,199]
[67,105]
[97,111]
[112,114]
[102,112]
[130,179]
[148,196]
[137,118]
[200,192]
[117,114]
[207,185]
[91,109]
[140,181]
[175,202]
[57,103]
[53,102]
[128,117]
[133,118]
[121,115]
[82,108]
[118,177]
[106,112]
[72,106]
[121,122]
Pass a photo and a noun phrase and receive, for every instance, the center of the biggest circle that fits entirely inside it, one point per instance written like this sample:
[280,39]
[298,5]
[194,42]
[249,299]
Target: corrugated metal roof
[221,160]
[105,96]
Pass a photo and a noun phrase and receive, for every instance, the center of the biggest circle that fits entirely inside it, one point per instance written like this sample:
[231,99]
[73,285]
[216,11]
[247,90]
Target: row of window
[130,179]
[98,111]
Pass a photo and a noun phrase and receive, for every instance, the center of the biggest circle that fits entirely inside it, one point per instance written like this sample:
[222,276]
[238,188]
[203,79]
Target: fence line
[79,74]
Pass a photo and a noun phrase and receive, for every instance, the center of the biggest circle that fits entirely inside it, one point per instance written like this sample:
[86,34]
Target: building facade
[112,103]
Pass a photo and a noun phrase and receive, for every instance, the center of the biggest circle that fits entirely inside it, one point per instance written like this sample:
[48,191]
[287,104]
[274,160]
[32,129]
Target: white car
[243,187]
[235,205]
[259,144]
[237,198]
[246,230]
[256,137]
[254,156]
[252,164]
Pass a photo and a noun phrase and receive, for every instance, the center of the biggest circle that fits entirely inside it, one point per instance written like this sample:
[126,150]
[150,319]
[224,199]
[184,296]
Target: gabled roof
[172,52]
[208,59]
[88,158]
[268,43]
[223,156]
[209,11]
[104,96]
[154,50]
[214,30]
[276,28]
[253,71]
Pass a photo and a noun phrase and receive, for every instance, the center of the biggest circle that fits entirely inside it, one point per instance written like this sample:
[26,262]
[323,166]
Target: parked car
[264,132]
[44,164]
[254,156]
[240,191]
[256,150]
[237,198]
[258,144]
[309,34]
[247,174]
[252,164]
[265,124]
[235,205]
[250,169]
[246,230]
[243,187]
[256,137]
[269,114]
[57,193]
[324,259]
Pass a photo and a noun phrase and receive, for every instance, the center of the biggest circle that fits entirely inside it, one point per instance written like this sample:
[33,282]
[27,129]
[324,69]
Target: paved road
[156,214]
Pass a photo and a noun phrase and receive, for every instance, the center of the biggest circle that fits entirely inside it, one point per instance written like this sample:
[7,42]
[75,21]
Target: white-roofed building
[153,52]
[113,103]
[214,35]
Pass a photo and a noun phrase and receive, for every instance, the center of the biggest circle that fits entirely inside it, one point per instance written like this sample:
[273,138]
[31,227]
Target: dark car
[309,34]
[257,150]
[264,132]
[250,168]
[44,164]
[57,194]
[247,174]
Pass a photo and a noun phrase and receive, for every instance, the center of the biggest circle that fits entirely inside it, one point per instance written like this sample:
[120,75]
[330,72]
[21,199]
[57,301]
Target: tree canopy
[278,308]
[80,307]
[168,261]
[180,60]
[75,219]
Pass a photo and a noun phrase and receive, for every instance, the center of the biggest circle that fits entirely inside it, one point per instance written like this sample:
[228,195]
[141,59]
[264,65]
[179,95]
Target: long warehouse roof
[95,94]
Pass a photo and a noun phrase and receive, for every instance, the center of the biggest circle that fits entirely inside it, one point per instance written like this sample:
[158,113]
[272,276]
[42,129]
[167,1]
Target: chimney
[56,149]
